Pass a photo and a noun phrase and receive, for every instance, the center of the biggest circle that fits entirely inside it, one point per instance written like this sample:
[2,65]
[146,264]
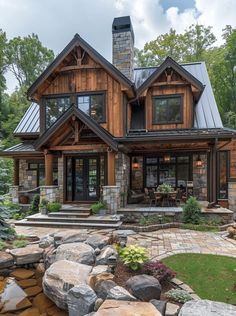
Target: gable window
[93,105]
[167,109]
[55,107]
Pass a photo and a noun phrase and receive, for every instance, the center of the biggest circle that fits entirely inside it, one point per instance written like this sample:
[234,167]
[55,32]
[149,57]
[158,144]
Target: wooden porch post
[213,173]
[111,168]
[16,171]
[48,168]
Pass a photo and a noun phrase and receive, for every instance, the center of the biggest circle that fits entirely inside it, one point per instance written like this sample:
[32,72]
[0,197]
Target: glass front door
[82,179]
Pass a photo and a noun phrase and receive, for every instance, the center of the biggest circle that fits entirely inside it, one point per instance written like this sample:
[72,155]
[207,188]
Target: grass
[200,227]
[20,243]
[211,277]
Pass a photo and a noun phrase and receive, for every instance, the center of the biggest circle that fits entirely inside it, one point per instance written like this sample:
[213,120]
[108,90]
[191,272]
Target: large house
[98,130]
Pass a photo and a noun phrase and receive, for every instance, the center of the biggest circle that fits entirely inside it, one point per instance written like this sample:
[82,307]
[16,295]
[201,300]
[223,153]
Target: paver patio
[161,243]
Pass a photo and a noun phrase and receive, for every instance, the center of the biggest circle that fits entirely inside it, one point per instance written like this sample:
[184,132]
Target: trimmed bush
[192,211]
[180,296]
[96,207]
[159,270]
[53,206]
[34,207]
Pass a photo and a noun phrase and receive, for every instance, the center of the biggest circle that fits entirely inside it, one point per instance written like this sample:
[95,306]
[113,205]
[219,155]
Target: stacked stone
[123,53]
[111,196]
[122,176]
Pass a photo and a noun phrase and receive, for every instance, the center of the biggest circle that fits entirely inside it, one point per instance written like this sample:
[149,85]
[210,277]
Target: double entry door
[82,178]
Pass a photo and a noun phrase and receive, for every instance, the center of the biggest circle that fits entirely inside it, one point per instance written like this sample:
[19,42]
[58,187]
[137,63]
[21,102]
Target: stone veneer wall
[122,172]
[123,53]
[200,178]
[27,178]
[111,196]
[232,195]
[49,193]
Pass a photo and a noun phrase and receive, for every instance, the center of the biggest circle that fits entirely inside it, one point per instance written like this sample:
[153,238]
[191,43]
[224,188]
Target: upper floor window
[55,107]
[167,109]
[93,105]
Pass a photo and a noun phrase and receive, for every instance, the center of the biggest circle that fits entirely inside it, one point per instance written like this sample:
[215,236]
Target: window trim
[168,96]
[227,152]
[89,94]
[54,96]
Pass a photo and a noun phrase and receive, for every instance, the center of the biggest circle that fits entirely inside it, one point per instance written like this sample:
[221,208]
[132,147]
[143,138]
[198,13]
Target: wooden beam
[48,168]
[111,168]
[78,67]
[16,171]
[79,147]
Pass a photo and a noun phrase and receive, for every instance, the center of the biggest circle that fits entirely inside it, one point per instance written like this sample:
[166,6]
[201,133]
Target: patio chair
[152,198]
[134,197]
[146,196]
[172,198]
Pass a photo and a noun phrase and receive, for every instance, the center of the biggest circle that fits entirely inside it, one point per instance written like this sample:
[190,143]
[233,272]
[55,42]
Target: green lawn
[211,277]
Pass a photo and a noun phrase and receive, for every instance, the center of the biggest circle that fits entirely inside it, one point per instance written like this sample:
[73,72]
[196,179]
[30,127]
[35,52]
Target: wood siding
[92,79]
[172,89]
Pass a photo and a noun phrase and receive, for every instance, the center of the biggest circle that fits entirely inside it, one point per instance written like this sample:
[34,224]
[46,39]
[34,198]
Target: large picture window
[55,107]
[93,105]
[167,109]
[223,174]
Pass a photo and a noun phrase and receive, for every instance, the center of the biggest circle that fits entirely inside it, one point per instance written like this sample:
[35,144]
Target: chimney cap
[122,24]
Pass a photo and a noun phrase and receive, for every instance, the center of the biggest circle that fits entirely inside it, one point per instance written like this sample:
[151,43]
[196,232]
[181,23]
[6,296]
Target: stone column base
[49,193]
[14,193]
[111,196]
[232,195]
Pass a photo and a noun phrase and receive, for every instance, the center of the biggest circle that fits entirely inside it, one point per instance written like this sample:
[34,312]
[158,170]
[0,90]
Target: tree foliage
[27,58]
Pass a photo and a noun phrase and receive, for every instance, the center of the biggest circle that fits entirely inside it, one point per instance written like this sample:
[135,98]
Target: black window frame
[90,94]
[168,96]
[55,97]
[39,169]
[227,152]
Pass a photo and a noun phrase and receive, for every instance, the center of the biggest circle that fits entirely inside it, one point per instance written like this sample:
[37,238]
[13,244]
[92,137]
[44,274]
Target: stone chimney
[123,46]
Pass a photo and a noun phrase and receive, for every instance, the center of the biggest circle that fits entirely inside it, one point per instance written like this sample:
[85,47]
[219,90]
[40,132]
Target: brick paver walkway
[164,243]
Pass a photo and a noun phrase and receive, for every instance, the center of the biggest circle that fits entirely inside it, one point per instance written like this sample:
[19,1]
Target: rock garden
[92,274]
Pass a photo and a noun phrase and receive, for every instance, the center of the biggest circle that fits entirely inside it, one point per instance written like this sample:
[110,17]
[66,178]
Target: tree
[27,58]
[187,47]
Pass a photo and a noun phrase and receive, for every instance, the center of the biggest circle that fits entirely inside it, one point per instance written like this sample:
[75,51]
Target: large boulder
[126,308]
[207,308]
[29,254]
[108,289]
[61,277]
[77,252]
[81,300]
[6,260]
[144,287]
[46,241]
[160,305]
[78,237]
[98,241]
[106,253]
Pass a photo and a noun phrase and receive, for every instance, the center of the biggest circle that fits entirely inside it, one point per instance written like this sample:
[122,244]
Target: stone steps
[90,219]
[69,214]
[76,225]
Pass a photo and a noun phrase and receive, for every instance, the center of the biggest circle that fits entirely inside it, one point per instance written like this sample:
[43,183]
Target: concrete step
[74,224]
[69,214]
[90,219]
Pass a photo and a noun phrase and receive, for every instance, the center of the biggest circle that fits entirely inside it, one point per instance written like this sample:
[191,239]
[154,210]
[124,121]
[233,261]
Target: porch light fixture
[135,163]
[199,162]
[167,158]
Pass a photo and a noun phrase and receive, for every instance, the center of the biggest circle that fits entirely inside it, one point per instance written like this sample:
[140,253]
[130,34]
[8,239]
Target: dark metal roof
[87,120]
[171,134]
[30,121]
[206,111]
[26,148]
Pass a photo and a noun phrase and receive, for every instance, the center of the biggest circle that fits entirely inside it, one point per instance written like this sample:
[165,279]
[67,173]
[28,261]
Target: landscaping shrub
[6,231]
[154,219]
[133,256]
[20,243]
[3,245]
[34,207]
[159,270]
[96,207]
[192,211]
[8,209]
[179,296]
[53,206]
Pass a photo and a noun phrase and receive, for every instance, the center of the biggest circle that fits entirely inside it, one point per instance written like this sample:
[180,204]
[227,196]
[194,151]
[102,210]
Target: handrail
[32,190]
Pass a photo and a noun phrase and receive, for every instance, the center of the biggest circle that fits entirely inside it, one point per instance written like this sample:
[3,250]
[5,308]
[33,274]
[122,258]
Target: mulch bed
[123,273]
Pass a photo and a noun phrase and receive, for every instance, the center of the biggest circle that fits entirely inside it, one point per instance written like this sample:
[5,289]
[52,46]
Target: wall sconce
[166,158]
[135,163]
[199,162]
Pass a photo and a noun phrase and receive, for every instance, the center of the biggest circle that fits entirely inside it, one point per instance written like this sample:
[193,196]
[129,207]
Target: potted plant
[165,188]
[99,208]
[43,207]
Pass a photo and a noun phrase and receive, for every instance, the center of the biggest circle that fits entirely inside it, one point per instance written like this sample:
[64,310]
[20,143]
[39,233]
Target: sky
[56,21]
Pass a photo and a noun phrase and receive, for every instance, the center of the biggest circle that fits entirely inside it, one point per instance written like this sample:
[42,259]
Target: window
[223,171]
[55,107]
[167,110]
[93,105]
[40,168]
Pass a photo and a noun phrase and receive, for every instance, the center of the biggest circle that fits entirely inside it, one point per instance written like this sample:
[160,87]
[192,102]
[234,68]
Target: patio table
[165,197]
